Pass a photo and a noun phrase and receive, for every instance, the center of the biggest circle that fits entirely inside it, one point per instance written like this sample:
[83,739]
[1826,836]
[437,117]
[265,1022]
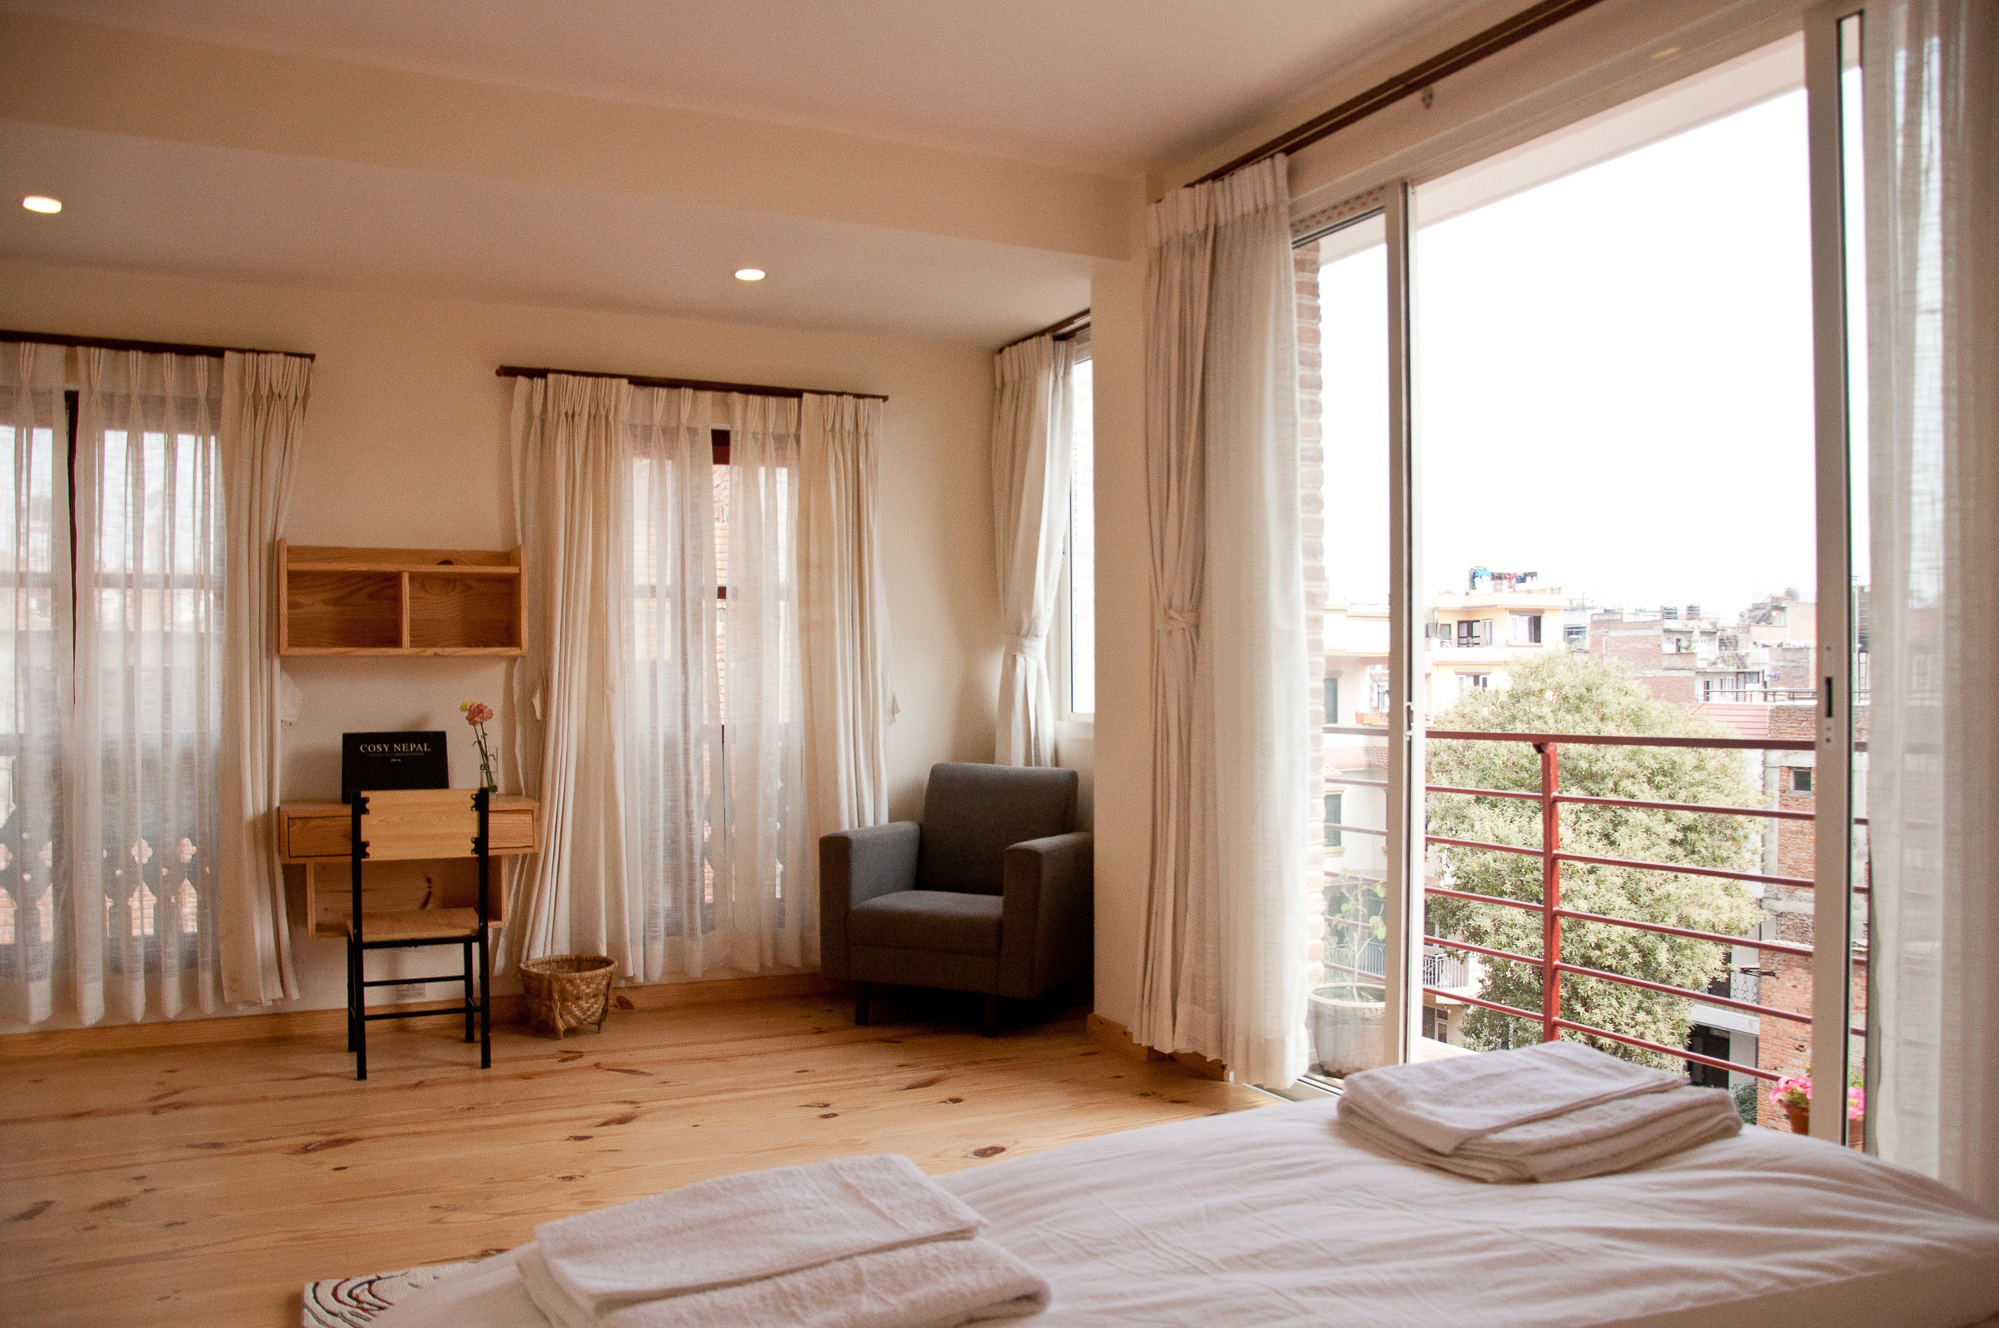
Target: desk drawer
[316,837]
[327,836]
[512,831]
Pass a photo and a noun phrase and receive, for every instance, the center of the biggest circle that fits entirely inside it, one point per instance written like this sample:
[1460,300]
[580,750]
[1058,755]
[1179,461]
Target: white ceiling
[1119,85]
[1114,86]
[258,216]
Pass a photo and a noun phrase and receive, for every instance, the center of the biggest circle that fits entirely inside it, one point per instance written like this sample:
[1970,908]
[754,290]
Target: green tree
[1560,693]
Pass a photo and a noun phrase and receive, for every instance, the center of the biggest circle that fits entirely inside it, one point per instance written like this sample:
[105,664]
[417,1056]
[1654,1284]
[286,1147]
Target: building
[1468,637]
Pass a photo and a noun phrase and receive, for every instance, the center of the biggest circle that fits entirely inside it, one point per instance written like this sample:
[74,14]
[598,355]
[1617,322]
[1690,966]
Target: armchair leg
[992,1016]
[860,1005]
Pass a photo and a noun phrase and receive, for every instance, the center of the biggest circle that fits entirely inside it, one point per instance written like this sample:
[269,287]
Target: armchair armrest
[1047,915]
[854,867]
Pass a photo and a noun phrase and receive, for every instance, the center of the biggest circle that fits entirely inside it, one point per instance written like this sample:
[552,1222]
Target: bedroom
[413,254]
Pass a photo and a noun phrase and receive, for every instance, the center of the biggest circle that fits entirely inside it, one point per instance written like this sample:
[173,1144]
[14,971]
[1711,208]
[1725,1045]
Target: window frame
[1061,640]
[1389,188]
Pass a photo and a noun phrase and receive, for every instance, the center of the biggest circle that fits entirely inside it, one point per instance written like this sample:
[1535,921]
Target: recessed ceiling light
[749,274]
[41,203]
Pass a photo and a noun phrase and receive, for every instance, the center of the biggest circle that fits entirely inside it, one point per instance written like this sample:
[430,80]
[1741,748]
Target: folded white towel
[741,1228]
[1442,1104]
[938,1284]
[1593,1141]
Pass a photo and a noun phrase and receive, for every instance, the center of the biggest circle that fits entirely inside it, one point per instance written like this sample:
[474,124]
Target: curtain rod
[1411,81]
[151,347]
[1061,330]
[698,384]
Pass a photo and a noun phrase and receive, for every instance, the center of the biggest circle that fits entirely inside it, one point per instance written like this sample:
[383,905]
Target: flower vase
[1801,1117]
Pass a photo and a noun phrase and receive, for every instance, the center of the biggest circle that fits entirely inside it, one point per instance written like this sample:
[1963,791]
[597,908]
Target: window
[1333,801]
[1078,611]
[1801,779]
[712,736]
[1436,1024]
[1332,691]
[113,548]
[1713,1043]
[1514,266]
[1377,689]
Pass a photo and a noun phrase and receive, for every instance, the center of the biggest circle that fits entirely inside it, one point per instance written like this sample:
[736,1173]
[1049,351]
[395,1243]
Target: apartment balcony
[1739,1009]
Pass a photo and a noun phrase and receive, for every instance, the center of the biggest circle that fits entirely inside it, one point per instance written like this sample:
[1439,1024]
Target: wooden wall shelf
[346,601]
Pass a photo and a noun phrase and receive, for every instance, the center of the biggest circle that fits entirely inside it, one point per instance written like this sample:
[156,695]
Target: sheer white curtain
[572,469]
[843,607]
[1223,972]
[35,656]
[1931,70]
[764,877]
[262,431]
[673,726]
[671,746]
[1031,455]
[143,820]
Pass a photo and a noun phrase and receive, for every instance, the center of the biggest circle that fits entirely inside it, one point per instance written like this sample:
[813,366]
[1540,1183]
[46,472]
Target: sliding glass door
[1342,274]
[1591,625]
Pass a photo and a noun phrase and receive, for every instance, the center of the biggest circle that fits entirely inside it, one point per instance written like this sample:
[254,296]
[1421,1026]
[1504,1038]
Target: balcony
[1369,960]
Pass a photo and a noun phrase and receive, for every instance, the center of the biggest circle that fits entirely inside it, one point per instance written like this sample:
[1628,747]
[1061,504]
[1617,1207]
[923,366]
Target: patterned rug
[353,1302]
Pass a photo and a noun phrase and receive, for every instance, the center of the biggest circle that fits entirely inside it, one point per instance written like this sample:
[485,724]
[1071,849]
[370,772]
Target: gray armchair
[990,893]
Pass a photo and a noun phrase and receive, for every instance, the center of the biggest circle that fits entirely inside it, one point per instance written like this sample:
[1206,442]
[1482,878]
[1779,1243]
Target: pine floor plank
[204,1185]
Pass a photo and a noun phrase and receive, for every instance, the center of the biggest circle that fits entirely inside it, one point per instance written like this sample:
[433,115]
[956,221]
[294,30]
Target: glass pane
[1852,181]
[1082,588]
[1615,397]
[1342,291]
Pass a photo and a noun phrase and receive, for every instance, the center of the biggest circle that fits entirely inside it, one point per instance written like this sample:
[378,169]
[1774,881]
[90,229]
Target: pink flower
[1792,1091]
[477,712]
[1856,1103]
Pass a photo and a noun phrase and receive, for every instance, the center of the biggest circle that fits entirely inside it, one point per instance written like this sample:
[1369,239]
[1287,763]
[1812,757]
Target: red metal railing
[1552,856]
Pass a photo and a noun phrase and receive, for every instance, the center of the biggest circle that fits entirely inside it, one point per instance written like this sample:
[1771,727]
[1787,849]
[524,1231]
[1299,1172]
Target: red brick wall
[1786,1047]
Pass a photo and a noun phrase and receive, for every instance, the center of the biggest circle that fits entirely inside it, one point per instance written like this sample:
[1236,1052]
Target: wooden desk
[314,839]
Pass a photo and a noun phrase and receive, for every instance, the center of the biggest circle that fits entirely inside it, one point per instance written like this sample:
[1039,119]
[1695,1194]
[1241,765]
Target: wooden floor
[204,1185]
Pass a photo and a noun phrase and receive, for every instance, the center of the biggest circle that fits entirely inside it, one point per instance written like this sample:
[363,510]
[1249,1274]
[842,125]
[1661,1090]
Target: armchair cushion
[973,813]
[944,921]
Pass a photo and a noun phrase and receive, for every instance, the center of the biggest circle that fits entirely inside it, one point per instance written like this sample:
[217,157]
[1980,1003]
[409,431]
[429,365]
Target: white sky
[1614,380]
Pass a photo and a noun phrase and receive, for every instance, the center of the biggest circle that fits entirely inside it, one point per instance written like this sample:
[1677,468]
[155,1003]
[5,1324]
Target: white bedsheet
[1268,1217]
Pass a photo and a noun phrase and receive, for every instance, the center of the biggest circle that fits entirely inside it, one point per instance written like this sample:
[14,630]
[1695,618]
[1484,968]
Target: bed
[1270,1217]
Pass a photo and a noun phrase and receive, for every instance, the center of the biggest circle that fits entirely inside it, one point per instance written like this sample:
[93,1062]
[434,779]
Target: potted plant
[1347,1012]
[1793,1093]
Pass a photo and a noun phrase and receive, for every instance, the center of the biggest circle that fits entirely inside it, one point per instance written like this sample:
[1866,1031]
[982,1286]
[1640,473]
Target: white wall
[1122,751]
[407,445]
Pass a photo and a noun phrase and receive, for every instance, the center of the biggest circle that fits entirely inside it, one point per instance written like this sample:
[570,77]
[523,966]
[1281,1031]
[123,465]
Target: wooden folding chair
[402,824]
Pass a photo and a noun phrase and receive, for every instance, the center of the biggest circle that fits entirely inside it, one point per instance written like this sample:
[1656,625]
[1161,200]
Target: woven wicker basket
[567,991]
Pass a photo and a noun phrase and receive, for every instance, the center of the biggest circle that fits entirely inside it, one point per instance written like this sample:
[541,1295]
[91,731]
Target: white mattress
[1267,1217]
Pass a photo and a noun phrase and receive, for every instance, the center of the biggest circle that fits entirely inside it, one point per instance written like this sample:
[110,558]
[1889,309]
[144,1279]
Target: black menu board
[412,760]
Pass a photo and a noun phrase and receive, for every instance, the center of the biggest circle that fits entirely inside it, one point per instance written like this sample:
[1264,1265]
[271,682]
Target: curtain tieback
[1031,647]
[1179,620]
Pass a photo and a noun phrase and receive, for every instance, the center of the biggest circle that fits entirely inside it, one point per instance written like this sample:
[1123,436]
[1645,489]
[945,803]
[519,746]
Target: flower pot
[1801,1117]
[1347,1028]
